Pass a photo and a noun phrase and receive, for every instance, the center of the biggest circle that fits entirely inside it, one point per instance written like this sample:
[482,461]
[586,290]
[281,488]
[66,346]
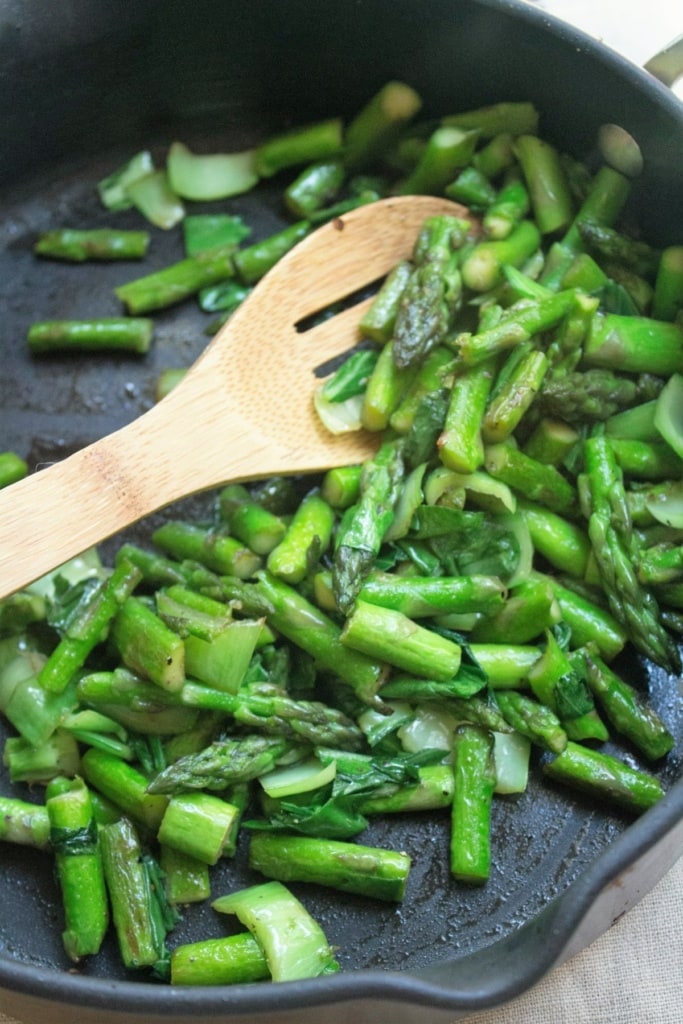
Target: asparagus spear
[300,145]
[611,535]
[544,173]
[177,282]
[604,777]
[76,245]
[364,526]
[87,625]
[74,839]
[475,779]
[626,709]
[433,291]
[369,871]
[140,925]
[199,824]
[533,719]
[217,765]
[118,334]
[232,960]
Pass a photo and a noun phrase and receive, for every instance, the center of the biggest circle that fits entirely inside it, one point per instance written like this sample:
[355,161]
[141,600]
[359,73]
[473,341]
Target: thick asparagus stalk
[232,960]
[200,825]
[475,779]
[421,596]
[218,765]
[432,294]
[394,638]
[369,871]
[24,823]
[74,839]
[140,929]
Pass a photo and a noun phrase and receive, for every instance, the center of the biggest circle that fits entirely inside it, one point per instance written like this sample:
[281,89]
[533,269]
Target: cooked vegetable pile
[397,636]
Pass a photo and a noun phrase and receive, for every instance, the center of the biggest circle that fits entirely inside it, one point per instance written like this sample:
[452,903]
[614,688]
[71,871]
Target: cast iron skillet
[82,86]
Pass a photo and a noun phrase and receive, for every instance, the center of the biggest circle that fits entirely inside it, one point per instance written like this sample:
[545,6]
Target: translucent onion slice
[669,413]
[202,177]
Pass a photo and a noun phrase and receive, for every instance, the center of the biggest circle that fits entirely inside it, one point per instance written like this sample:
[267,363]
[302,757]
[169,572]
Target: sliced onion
[201,177]
[669,413]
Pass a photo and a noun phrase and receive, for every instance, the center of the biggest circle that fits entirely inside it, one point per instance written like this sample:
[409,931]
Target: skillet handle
[667,65]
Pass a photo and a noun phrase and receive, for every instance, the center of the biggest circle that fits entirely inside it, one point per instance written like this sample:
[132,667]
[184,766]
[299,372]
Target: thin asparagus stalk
[460,444]
[533,480]
[77,246]
[214,548]
[340,487]
[626,710]
[257,527]
[116,334]
[514,117]
[315,186]
[605,778]
[432,294]
[634,344]
[363,528]
[253,261]
[551,441]
[421,596]
[148,646]
[667,301]
[517,325]
[562,542]
[379,319]
[318,635]
[473,189]
[88,625]
[510,206]
[300,145]
[482,269]
[533,720]
[611,534]
[530,608]
[448,149]
[177,282]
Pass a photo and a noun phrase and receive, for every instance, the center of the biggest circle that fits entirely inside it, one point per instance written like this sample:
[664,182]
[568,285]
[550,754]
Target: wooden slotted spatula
[244,411]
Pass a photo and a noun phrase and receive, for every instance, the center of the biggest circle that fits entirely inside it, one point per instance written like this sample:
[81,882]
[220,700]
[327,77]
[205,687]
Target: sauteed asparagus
[398,636]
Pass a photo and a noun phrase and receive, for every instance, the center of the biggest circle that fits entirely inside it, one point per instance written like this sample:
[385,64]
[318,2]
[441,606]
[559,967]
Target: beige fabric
[631,975]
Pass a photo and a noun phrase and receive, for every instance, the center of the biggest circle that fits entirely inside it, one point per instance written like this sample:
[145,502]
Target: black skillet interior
[83,89]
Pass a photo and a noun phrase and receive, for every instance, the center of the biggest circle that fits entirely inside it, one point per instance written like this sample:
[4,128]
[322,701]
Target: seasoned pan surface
[545,839]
